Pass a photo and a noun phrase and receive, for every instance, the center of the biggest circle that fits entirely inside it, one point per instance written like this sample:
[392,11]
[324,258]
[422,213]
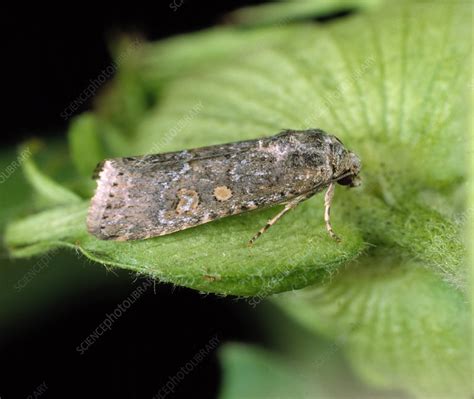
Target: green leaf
[400,325]
[51,192]
[295,358]
[289,10]
[13,182]
[254,373]
[85,144]
[16,190]
[47,229]
[141,80]
[416,231]
[203,261]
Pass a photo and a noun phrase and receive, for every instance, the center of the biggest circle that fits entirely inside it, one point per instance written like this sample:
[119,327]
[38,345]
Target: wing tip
[105,174]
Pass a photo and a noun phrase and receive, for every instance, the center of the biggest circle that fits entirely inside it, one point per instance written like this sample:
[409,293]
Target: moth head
[348,170]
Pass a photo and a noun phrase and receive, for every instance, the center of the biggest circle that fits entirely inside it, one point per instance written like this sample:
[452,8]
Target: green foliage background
[394,82]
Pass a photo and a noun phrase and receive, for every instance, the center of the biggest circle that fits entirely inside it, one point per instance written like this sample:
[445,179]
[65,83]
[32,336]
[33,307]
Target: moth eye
[346,181]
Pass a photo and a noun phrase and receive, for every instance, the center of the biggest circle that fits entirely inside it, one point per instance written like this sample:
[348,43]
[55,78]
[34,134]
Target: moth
[154,195]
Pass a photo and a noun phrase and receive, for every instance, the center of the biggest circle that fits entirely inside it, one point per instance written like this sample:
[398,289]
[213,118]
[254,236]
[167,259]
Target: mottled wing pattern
[152,195]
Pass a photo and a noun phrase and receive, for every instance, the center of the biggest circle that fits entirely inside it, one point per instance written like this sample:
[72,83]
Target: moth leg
[290,205]
[327,211]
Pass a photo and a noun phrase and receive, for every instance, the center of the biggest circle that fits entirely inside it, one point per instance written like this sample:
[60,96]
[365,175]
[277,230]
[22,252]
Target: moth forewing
[152,195]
